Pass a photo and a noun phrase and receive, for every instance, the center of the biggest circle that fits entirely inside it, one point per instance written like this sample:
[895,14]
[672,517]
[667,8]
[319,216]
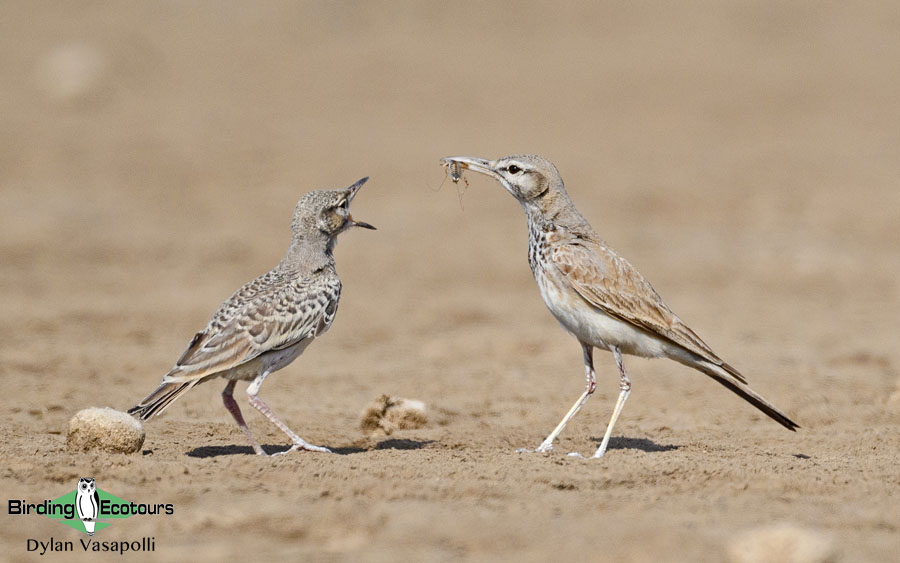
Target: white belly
[268,362]
[592,326]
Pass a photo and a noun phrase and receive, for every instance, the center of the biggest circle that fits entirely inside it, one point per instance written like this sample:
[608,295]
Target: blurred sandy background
[744,156]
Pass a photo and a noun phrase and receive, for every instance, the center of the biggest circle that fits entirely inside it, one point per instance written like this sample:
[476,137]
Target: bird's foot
[305,447]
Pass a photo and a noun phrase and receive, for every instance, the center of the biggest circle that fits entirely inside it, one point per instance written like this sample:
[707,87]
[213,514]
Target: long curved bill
[351,193]
[472,163]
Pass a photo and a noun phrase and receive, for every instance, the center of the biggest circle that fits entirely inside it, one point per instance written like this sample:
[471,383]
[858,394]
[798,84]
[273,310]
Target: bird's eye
[513,169]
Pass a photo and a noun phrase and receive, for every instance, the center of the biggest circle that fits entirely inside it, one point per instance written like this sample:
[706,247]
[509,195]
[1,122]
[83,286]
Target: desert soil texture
[743,156]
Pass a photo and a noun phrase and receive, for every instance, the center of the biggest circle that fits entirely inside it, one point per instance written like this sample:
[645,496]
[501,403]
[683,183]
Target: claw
[319,449]
[304,447]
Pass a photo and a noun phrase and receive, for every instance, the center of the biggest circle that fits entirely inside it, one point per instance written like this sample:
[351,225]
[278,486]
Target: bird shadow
[217,451]
[642,444]
[392,444]
[402,444]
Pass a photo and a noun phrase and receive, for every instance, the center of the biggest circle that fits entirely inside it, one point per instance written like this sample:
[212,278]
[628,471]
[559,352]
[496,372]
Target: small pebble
[105,429]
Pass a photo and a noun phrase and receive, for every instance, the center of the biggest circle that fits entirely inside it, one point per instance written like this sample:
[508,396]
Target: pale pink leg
[235,411]
[624,390]
[261,406]
[591,384]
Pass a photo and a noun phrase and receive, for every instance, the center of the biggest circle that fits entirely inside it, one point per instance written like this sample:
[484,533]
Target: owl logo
[87,502]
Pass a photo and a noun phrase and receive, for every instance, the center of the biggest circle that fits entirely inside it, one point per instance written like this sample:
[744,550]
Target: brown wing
[269,313]
[613,285]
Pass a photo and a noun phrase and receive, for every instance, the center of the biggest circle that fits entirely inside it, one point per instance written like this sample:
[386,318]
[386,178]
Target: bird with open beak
[270,321]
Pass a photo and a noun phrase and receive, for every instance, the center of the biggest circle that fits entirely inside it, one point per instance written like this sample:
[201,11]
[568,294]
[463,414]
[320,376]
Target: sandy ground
[744,157]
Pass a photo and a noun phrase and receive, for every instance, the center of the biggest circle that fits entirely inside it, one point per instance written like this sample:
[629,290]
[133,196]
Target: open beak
[354,223]
[479,165]
[351,193]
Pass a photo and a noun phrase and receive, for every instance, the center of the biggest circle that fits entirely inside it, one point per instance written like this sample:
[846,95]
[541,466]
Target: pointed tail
[730,378]
[157,401]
